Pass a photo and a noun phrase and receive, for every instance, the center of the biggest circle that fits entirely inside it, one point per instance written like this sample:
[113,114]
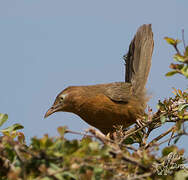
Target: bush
[97,156]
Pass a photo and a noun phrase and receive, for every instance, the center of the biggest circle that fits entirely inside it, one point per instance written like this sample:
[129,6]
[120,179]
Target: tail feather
[138,59]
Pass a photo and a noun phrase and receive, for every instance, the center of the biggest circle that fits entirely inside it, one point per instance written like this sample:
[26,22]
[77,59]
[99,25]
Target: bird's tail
[138,59]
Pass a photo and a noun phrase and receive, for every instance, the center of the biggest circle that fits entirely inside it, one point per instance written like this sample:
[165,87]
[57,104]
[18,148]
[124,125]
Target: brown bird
[105,106]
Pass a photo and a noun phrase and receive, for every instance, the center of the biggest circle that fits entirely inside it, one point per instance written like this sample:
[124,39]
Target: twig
[183,39]
[78,133]
[22,160]
[101,137]
[116,150]
[177,50]
[159,137]
[170,138]
[51,174]
[130,160]
[7,163]
[134,130]
[140,176]
[186,134]
[20,157]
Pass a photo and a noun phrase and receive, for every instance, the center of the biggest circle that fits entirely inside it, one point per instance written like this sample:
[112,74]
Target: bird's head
[63,102]
[58,105]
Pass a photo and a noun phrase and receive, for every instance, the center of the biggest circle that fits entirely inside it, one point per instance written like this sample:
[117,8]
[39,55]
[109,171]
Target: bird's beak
[49,112]
[52,110]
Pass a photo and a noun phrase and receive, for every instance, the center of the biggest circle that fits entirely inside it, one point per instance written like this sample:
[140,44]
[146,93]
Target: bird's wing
[119,92]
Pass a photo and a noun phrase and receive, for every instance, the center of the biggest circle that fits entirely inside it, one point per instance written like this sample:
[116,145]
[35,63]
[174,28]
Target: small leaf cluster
[182,58]
[11,130]
[174,110]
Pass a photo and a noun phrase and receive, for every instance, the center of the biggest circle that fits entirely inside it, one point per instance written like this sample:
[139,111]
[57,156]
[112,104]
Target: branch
[136,177]
[97,134]
[159,137]
[117,151]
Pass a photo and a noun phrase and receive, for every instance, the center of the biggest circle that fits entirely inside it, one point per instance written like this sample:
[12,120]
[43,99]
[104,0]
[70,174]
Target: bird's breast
[103,113]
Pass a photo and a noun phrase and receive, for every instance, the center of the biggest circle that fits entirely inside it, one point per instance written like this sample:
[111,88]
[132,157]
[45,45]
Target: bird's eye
[61,98]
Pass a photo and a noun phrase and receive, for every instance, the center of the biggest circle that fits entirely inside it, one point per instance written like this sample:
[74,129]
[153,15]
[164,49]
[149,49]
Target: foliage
[182,58]
[11,130]
[130,154]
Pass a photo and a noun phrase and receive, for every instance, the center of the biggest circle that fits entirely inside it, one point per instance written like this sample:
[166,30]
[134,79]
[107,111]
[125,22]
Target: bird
[106,106]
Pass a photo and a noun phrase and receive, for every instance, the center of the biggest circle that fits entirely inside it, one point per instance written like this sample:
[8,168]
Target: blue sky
[46,46]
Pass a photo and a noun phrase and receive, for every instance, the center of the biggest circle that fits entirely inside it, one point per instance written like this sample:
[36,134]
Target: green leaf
[161,106]
[171,73]
[54,167]
[45,178]
[185,117]
[128,140]
[3,118]
[178,41]
[179,58]
[67,174]
[58,172]
[168,150]
[21,137]
[163,119]
[172,41]
[97,173]
[62,130]
[186,51]
[182,107]
[59,176]
[176,140]
[94,146]
[12,128]
[184,71]
[182,174]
